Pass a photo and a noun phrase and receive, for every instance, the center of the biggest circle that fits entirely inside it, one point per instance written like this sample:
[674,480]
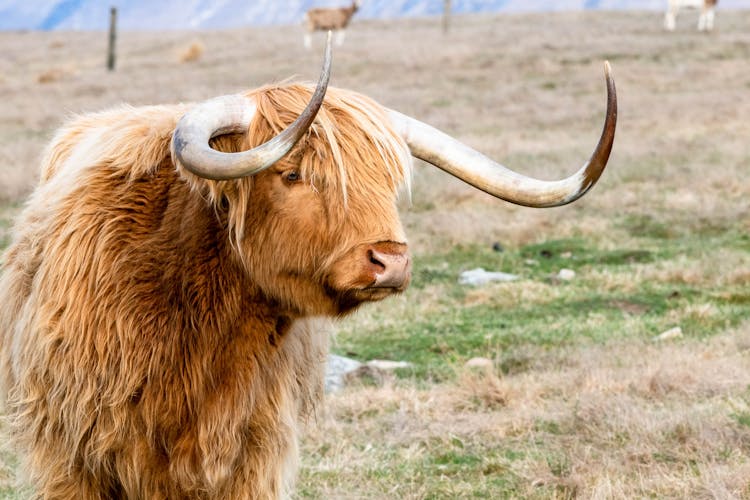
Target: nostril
[387,266]
[374,260]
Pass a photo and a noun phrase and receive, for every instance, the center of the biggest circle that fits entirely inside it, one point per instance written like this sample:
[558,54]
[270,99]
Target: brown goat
[163,301]
[329,19]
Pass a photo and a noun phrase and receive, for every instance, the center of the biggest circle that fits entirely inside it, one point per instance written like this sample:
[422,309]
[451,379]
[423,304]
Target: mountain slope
[212,14]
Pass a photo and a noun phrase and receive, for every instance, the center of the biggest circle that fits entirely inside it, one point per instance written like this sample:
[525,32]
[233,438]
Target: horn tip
[607,69]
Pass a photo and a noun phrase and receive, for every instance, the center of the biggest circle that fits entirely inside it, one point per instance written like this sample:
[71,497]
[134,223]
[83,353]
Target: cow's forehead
[352,146]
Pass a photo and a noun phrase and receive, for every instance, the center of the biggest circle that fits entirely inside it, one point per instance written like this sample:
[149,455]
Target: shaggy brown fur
[158,331]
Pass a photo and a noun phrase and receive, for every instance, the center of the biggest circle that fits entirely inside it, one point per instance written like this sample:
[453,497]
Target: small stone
[479,363]
[337,368]
[387,365]
[672,333]
[566,255]
[566,274]
[478,277]
[367,375]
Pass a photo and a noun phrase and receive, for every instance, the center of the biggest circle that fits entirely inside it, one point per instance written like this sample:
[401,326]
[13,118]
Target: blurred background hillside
[213,14]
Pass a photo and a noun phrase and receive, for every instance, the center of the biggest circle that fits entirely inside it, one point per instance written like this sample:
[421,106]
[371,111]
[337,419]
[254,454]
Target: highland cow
[705,19]
[163,302]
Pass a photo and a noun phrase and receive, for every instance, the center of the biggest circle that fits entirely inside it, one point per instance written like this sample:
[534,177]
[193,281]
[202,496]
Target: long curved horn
[445,152]
[232,114]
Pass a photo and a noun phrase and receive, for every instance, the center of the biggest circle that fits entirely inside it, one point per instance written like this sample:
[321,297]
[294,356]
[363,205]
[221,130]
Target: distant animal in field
[166,298]
[705,19]
[334,19]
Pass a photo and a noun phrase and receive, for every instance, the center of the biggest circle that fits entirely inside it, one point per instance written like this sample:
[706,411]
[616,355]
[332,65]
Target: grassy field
[581,401]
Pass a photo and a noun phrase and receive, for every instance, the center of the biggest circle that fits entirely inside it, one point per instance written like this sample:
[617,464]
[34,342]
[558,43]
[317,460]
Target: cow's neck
[204,286]
[235,359]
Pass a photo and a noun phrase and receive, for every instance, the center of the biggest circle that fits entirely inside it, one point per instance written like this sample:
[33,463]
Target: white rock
[480,363]
[339,370]
[566,274]
[478,277]
[672,333]
[336,369]
[386,365]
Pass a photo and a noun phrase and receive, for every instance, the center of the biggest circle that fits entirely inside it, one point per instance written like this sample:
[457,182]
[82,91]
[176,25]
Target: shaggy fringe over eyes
[351,145]
[351,139]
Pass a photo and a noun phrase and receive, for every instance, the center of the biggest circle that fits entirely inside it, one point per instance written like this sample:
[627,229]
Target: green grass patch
[742,418]
[454,334]
[549,85]
[12,494]
[443,469]
[441,103]
[505,320]
[532,261]
[646,226]
[7,212]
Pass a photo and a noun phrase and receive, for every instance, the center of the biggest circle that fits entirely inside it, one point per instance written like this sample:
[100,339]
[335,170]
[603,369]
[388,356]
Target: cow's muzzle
[390,265]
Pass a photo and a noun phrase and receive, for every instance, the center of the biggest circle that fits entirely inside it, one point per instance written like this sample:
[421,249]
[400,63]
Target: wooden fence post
[112,38]
[446,15]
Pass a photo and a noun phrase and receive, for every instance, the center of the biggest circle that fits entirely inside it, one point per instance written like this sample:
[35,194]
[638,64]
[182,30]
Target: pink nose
[390,264]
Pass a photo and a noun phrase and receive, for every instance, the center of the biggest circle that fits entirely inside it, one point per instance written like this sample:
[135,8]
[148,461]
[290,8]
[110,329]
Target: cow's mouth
[368,273]
[349,299]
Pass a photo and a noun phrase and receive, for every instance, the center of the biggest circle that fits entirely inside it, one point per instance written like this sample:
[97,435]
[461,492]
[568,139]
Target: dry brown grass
[627,419]
[530,96]
[192,52]
[51,75]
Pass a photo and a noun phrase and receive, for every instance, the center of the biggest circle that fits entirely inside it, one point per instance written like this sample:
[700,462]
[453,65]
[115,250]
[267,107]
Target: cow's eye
[292,176]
